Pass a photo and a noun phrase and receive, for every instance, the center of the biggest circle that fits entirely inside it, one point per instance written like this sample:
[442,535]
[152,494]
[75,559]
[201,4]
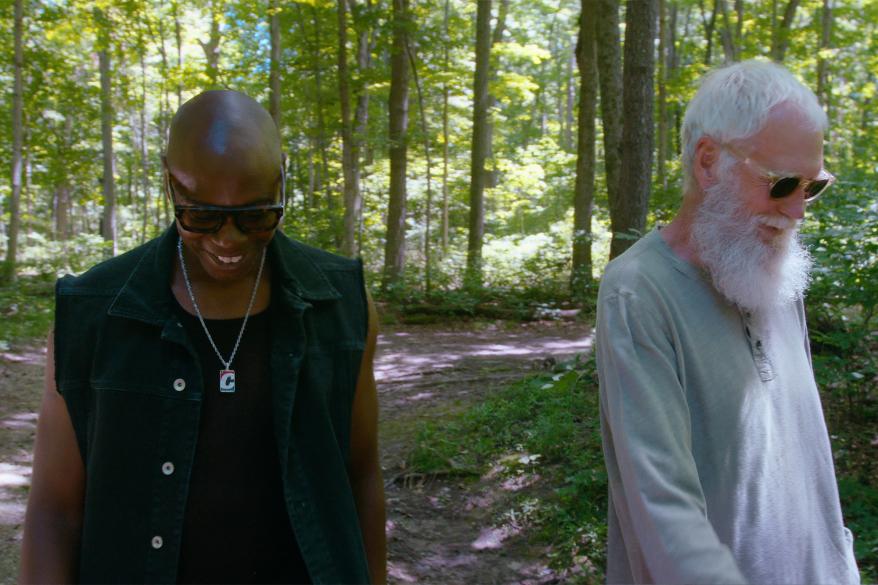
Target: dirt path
[441,531]
[452,530]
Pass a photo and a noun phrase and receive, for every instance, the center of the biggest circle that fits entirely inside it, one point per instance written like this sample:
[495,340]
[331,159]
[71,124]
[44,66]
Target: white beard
[750,273]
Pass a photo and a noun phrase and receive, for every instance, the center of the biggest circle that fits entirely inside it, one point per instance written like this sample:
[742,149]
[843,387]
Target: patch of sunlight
[399,573]
[33,357]
[492,538]
[21,421]
[420,396]
[14,475]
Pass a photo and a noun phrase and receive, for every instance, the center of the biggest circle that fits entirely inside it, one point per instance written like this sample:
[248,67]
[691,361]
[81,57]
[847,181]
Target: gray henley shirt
[719,463]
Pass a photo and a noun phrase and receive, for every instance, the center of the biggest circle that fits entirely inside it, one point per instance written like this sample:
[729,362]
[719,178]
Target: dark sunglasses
[783,186]
[209,219]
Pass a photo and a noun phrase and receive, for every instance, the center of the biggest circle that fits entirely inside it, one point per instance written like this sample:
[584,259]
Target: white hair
[733,103]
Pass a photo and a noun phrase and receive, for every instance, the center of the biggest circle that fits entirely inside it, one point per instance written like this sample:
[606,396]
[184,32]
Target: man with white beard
[719,462]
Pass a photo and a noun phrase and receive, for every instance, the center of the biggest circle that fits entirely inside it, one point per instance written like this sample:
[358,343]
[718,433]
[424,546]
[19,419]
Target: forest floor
[440,529]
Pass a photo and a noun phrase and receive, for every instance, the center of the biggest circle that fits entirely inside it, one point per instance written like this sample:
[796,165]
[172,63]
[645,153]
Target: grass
[26,310]
[545,425]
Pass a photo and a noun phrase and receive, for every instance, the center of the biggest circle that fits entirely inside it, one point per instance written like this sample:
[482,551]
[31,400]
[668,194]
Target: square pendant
[227,381]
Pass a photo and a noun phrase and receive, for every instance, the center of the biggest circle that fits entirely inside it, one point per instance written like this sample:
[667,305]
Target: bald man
[210,413]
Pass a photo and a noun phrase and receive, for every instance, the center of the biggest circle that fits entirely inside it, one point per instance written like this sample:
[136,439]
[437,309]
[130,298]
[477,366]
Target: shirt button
[157,542]
[167,468]
[179,384]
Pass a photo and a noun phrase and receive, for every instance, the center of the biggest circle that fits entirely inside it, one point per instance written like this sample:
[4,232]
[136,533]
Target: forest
[484,158]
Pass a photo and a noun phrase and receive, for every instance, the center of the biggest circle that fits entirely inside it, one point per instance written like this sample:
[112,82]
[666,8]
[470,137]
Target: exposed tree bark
[352,130]
[365,45]
[823,93]
[709,27]
[108,220]
[211,48]
[394,250]
[609,56]
[480,145]
[322,142]
[144,149]
[730,51]
[9,273]
[274,65]
[780,38]
[350,159]
[446,65]
[426,133]
[662,121]
[571,101]
[496,37]
[178,37]
[628,213]
[739,24]
[62,186]
[583,197]
[483,134]
[164,112]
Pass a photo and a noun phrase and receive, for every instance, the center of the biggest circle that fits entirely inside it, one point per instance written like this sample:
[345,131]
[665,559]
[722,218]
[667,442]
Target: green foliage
[860,505]
[27,310]
[547,424]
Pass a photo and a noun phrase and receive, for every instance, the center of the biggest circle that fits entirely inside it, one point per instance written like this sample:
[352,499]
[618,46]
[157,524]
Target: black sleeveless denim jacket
[132,384]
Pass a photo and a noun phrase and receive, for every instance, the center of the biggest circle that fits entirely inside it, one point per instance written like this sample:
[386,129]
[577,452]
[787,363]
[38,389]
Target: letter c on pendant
[227,381]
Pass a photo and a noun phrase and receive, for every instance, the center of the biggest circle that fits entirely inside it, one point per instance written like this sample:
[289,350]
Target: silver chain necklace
[227,375]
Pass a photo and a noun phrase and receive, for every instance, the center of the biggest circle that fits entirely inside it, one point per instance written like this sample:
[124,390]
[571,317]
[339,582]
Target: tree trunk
[178,37]
[394,250]
[322,142]
[662,122]
[17,140]
[365,45]
[628,215]
[583,197]
[730,51]
[480,145]
[571,100]
[212,46]
[164,114]
[446,67]
[274,66]
[823,93]
[709,26]
[610,78]
[108,220]
[350,160]
[780,38]
[426,133]
[144,146]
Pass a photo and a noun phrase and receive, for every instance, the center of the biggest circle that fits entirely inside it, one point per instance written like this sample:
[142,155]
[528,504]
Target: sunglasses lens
[258,220]
[784,187]
[203,221]
[815,189]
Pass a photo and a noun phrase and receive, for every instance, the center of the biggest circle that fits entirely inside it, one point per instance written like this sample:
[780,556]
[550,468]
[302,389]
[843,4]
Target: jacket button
[167,468]
[157,542]
[179,384]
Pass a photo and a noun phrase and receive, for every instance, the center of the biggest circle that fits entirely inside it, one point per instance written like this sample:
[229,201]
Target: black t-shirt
[236,528]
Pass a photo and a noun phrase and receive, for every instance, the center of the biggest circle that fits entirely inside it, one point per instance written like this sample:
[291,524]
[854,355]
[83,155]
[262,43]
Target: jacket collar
[146,295]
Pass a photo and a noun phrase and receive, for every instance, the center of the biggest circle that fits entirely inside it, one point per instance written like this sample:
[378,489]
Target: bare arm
[365,469]
[53,522]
